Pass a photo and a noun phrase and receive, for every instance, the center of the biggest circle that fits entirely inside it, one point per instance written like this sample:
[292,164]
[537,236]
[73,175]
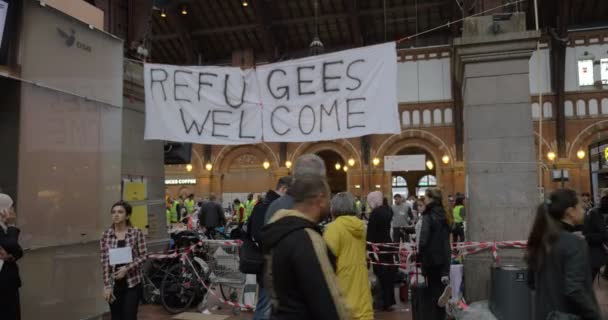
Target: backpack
[251,257]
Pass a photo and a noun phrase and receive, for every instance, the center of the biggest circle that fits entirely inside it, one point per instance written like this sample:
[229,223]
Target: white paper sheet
[120,256]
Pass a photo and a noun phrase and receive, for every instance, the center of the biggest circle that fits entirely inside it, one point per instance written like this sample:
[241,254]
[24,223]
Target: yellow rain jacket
[346,239]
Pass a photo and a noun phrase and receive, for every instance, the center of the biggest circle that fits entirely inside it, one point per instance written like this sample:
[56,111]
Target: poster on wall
[135,190]
[343,94]
[3,12]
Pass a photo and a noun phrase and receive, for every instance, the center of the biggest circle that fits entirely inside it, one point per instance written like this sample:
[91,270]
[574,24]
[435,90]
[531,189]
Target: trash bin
[510,297]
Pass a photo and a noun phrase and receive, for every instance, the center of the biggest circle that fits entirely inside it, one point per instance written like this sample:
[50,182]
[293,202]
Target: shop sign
[180,181]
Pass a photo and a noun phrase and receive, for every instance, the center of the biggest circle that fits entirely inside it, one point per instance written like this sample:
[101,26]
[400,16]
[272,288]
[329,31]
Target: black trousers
[9,304]
[386,279]
[399,235]
[432,293]
[126,304]
[458,232]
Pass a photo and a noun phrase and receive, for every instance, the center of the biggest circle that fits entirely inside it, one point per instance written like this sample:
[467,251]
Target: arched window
[426,117]
[593,110]
[400,186]
[547,110]
[605,106]
[535,110]
[580,108]
[428,181]
[568,108]
[447,116]
[416,118]
[405,119]
[437,117]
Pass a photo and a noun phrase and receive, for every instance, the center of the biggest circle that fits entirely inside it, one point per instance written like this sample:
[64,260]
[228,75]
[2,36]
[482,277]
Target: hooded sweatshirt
[299,273]
[346,239]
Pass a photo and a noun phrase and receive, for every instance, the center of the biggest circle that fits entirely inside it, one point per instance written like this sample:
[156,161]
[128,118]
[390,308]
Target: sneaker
[445,297]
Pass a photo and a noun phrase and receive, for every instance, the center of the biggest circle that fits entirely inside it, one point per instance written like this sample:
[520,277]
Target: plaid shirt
[134,239]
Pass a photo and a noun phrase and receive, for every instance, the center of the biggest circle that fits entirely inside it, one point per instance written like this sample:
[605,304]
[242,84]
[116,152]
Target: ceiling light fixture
[245,3]
[163,14]
[184,11]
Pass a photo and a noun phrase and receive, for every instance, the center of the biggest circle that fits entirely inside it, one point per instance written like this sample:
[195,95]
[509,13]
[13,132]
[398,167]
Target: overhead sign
[339,95]
[3,11]
[180,181]
[414,162]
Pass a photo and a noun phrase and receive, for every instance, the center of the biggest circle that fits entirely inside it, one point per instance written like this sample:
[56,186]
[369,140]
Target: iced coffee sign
[339,95]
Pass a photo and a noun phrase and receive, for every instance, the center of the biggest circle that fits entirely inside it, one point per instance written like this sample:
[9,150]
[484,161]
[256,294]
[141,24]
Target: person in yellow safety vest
[238,211]
[459,214]
[358,206]
[249,206]
[189,204]
[175,207]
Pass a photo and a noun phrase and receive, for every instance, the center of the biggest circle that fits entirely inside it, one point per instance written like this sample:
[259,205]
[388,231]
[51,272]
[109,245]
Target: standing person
[251,251]
[346,240]
[596,235]
[459,214]
[305,166]
[435,254]
[299,270]
[123,281]
[249,204]
[558,261]
[211,216]
[587,202]
[379,231]
[402,218]
[238,212]
[10,253]
[189,204]
[418,227]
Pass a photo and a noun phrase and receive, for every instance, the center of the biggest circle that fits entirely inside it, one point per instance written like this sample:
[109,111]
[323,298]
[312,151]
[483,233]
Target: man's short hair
[397,196]
[309,165]
[212,197]
[237,201]
[284,182]
[308,187]
[585,194]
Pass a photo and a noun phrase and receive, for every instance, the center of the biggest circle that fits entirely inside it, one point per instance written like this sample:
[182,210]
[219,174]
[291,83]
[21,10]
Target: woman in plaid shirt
[122,275]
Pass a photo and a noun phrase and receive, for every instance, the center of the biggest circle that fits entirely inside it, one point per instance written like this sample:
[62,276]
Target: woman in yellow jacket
[346,239]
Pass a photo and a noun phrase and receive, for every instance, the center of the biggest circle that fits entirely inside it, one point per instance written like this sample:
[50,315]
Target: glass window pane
[585,73]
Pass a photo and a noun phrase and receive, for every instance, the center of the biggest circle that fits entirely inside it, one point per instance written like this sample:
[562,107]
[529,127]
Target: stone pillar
[498,141]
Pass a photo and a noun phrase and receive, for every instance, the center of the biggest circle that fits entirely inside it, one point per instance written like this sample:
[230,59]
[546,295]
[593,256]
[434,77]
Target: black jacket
[300,270]
[564,283]
[379,231]
[9,275]
[211,215]
[434,243]
[596,235]
[256,220]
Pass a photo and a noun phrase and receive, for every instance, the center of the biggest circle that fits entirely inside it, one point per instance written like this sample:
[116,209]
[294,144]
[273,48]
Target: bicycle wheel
[178,289]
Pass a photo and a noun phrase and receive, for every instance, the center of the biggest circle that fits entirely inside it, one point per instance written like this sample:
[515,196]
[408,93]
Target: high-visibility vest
[174,213]
[358,206]
[457,212]
[237,212]
[189,204]
[248,209]
[171,216]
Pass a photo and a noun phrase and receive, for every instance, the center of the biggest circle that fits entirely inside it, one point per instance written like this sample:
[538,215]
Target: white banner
[3,11]
[210,105]
[344,94]
[412,162]
[338,95]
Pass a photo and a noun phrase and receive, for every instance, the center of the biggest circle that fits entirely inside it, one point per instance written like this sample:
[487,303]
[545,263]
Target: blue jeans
[262,309]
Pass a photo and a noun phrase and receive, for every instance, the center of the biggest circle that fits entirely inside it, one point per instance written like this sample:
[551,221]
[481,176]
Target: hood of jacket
[283,223]
[352,224]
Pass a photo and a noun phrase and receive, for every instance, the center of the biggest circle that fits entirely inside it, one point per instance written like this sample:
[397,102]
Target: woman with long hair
[558,261]
[379,231]
[123,251]
[435,254]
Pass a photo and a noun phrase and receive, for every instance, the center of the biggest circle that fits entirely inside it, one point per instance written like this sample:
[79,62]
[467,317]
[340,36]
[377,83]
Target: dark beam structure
[184,37]
[353,19]
[263,18]
[558,70]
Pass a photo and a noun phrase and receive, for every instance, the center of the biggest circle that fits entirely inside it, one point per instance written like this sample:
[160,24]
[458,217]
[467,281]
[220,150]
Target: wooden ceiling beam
[184,37]
[303,20]
[355,24]
[263,18]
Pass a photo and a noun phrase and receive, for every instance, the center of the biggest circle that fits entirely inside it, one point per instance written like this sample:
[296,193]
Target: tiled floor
[402,312]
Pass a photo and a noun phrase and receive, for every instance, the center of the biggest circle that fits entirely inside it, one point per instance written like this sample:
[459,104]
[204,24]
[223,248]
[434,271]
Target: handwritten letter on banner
[338,95]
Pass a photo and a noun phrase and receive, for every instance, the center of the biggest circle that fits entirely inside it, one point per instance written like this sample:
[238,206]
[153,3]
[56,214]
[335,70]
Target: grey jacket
[564,281]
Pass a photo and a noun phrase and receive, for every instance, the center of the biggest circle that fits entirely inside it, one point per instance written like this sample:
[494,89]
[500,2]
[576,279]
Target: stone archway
[595,132]
[343,147]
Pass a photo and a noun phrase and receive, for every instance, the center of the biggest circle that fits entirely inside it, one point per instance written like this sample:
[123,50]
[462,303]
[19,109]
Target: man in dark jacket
[10,252]
[300,270]
[254,230]
[305,166]
[596,235]
[211,216]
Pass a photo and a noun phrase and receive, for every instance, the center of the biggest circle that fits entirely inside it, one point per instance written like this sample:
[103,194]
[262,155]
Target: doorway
[408,183]
[336,175]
